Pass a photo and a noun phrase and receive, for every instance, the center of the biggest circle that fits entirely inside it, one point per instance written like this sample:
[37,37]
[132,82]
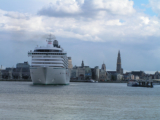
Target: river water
[78,101]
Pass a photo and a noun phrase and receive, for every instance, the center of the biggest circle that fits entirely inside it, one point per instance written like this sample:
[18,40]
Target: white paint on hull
[50,75]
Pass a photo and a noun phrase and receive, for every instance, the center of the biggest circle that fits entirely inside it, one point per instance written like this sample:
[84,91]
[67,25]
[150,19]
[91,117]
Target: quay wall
[112,81]
[22,80]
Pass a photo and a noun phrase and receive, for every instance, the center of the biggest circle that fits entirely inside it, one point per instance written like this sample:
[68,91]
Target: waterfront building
[95,73]
[73,73]
[70,66]
[88,73]
[102,73]
[108,75]
[136,77]
[103,67]
[112,75]
[81,73]
[157,75]
[148,77]
[152,76]
[0,75]
[128,76]
[7,73]
[22,65]
[115,75]
[119,69]
[1,72]
[119,77]
[141,74]
[1,67]
[22,71]
[125,77]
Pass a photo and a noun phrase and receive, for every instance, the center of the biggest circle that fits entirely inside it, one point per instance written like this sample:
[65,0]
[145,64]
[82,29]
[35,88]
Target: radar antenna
[51,37]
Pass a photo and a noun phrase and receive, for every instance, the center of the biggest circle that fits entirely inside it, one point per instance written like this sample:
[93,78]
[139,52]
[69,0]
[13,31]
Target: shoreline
[16,80]
[113,82]
[29,80]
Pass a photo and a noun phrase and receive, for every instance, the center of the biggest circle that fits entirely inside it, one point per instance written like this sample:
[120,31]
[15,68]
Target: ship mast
[50,41]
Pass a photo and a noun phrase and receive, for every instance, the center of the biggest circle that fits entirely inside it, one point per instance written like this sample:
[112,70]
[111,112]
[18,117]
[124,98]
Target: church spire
[119,57]
[119,69]
[82,64]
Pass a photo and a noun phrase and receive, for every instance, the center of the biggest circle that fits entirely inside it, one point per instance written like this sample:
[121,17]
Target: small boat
[132,83]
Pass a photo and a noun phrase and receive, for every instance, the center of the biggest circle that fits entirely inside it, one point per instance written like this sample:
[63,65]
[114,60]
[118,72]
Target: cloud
[87,8]
[19,22]
[61,9]
[145,20]
[102,18]
[155,4]
[14,15]
[85,20]
[114,22]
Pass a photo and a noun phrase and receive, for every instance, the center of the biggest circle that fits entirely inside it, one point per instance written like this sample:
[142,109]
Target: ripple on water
[22,100]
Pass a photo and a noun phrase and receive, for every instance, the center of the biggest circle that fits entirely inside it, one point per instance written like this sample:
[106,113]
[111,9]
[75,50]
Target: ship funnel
[55,43]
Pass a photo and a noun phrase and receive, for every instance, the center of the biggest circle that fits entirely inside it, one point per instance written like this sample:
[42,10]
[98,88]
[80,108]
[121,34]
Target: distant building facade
[70,66]
[95,73]
[22,65]
[102,73]
[136,77]
[1,72]
[128,76]
[147,77]
[81,73]
[22,71]
[157,75]
[141,74]
[119,77]
[108,76]
[112,75]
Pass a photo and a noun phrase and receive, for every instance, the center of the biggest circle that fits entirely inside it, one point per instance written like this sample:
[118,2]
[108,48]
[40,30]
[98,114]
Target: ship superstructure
[49,64]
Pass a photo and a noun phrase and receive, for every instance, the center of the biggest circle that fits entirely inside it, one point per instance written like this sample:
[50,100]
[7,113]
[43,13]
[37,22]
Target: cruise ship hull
[50,75]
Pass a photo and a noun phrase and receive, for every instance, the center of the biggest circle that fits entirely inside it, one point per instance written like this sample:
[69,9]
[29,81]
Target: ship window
[45,50]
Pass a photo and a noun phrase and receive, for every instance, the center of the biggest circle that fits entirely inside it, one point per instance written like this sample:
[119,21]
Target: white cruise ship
[49,64]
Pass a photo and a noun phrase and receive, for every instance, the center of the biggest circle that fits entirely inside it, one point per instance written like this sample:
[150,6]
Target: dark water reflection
[78,101]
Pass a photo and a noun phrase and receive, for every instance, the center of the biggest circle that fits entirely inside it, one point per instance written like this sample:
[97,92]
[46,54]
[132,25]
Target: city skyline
[89,30]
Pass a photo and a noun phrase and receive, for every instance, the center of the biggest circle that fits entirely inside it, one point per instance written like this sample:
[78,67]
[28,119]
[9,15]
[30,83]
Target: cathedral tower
[119,69]
[103,67]
[82,65]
